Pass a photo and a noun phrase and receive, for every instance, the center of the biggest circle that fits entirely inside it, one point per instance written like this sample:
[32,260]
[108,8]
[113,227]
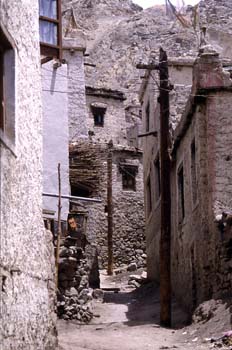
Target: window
[149,197]
[98,114]
[193,172]
[181,204]
[7,89]
[2,114]
[129,177]
[157,178]
[80,190]
[148,117]
[50,28]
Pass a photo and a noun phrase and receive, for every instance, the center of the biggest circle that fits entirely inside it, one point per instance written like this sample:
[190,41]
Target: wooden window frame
[157,178]
[49,50]
[148,196]
[181,194]
[2,113]
[194,172]
[7,90]
[147,116]
[95,112]
[4,46]
[129,172]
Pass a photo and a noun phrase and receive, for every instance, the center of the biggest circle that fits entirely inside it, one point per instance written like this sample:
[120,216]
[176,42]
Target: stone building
[27,285]
[107,122]
[180,71]
[200,183]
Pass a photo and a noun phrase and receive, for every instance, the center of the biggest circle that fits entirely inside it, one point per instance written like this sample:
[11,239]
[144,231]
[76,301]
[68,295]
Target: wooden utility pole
[165,239]
[59,227]
[110,210]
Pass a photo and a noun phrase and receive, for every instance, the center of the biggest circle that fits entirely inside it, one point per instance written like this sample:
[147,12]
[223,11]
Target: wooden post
[59,227]
[110,210]
[165,239]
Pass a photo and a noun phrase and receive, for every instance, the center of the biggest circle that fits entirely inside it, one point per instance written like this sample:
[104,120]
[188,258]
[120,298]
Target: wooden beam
[165,237]
[110,210]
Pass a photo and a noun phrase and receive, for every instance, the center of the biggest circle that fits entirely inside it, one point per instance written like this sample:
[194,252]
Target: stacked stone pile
[74,297]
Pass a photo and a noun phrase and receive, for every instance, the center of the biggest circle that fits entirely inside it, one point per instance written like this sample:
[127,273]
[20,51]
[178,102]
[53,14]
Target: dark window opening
[181,202]
[2,115]
[193,172]
[157,178]
[80,191]
[148,117]
[129,178]
[7,88]
[98,114]
[149,196]
[50,28]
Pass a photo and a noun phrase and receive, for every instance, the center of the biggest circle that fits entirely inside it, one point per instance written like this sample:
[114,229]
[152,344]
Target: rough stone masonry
[28,320]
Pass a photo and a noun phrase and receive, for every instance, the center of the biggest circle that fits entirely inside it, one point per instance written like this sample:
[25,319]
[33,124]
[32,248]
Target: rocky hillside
[120,34]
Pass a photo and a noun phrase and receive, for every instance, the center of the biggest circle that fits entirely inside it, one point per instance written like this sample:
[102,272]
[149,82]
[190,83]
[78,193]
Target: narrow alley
[129,319]
[115,174]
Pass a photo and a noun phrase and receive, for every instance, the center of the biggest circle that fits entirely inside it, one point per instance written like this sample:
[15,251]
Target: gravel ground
[129,320]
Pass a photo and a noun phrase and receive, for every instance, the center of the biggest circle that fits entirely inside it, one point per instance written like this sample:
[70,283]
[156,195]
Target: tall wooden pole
[110,210]
[59,227]
[165,239]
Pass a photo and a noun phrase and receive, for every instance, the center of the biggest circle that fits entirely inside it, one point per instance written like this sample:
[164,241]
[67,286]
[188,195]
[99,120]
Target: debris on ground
[224,340]
[132,267]
[74,296]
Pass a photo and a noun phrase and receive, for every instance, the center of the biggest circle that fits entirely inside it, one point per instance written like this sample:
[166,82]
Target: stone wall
[114,119]
[74,48]
[128,212]
[207,194]
[179,70]
[129,240]
[28,320]
[88,172]
[200,181]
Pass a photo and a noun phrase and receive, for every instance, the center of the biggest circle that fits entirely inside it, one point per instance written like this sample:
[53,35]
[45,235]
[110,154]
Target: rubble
[74,297]
[132,267]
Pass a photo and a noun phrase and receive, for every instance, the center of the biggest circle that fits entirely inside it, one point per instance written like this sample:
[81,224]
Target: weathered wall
[88,168]
[179,71]
[128,212]
[190,237]
[128,228]
[219,162]
[114,121]
[55,135]
[205,123]
[198,276]
[27,281]
[74,47]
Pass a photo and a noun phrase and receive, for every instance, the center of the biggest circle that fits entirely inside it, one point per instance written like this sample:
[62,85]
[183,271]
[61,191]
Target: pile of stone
[74,297]
[137,280]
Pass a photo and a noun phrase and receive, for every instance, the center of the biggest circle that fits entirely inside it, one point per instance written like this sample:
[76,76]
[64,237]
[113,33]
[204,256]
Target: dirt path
[129,320]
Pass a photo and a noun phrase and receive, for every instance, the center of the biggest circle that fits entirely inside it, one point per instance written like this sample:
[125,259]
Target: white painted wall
[55,135]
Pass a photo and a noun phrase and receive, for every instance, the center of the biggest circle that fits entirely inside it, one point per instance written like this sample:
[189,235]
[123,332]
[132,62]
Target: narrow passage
[127,320]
